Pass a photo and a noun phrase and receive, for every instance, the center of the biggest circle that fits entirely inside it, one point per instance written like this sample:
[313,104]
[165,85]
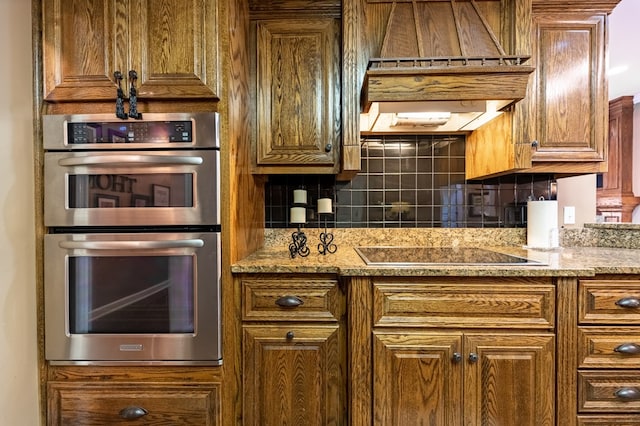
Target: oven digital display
[79,133]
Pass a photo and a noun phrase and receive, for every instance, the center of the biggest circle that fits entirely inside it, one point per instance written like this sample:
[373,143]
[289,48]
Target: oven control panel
[79,133]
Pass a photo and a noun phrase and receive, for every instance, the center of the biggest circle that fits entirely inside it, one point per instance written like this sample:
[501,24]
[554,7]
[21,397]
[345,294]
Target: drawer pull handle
[629,302]
[289,301]
[290,335]
[627,394]
[132,413]
[473,357]
[457,357]
[628,348]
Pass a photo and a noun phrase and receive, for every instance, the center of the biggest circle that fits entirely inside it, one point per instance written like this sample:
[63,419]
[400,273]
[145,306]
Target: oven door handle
[122,245]
[126,159]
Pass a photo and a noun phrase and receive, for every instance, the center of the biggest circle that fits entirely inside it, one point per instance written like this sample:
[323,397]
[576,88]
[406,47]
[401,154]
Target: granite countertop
[572,261]
[563,261]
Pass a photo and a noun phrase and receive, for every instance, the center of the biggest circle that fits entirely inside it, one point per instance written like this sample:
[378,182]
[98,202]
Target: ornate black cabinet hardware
[289,301]
[133,95]
[120,97]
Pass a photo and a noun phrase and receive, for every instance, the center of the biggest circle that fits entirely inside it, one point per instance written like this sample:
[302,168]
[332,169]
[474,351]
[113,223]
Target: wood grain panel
[321,300]
[597,347]
[510,378]
[597,391]
[570,89]
[295,380]
[598,298]
[90,403]
[415,378]
[459,305]
[82,67]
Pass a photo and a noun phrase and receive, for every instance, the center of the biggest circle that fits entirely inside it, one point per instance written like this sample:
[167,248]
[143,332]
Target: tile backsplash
[414,181]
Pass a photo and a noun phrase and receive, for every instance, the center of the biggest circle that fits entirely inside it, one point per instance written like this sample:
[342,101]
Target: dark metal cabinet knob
[457,357]
[289,301]
[473,357]
[628,349]
[328,147]
[290,335]
[627,394]
[629,302]
[132,413]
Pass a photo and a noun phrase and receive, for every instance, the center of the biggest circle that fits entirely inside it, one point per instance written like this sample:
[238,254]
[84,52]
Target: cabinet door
[294,375]
[570,88]
[171,44]
[298,95]
[417,379]
[509,379]
[85,41]
[174,48]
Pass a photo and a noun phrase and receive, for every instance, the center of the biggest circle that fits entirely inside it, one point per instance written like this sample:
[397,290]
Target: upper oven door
[132,188]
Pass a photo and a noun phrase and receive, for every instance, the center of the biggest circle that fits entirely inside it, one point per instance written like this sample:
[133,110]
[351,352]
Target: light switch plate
[569,215]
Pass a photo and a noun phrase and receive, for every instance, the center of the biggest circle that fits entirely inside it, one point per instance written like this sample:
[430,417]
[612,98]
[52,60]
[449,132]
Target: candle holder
[326,238]
[298,246]
[298,216]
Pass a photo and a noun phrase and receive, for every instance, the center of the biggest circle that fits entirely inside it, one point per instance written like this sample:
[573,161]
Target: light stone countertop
[559,262]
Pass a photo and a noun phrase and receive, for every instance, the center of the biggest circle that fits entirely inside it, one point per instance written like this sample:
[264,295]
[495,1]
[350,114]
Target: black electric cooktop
[422,256]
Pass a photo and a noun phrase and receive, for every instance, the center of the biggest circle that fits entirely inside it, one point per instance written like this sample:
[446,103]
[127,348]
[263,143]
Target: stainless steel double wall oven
[132,249]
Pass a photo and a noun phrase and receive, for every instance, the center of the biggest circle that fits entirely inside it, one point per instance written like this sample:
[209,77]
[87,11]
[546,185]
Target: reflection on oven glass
[131,294]
[131,190]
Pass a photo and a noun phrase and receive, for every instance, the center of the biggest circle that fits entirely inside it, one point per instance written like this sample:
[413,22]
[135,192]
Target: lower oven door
[132,297]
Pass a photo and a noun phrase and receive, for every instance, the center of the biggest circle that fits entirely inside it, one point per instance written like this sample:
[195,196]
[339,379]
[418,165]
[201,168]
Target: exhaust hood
[441,69]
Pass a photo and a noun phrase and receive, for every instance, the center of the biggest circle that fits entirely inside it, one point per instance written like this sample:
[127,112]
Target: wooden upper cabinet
[561,125]
[298,95]
[569,88]
[172,45]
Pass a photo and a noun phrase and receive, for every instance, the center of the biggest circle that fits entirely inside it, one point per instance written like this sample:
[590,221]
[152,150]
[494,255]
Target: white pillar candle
[324,205]
[299,196]
[298,215]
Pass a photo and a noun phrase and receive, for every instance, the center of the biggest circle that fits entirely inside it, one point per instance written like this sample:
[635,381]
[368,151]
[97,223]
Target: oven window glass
[131,294]
[131,190]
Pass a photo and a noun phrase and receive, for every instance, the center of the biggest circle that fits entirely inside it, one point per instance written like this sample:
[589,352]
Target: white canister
[542,224]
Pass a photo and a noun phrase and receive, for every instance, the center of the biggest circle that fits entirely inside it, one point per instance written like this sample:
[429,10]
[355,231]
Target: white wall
[579,192]
[18,346]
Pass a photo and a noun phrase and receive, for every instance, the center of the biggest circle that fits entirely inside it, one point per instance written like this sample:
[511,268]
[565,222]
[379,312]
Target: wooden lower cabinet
[463,378]
[452,351]
[293,375]
[92,403]
[608,350]
[293,350]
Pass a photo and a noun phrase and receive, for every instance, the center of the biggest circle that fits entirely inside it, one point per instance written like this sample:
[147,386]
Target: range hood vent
[440,56]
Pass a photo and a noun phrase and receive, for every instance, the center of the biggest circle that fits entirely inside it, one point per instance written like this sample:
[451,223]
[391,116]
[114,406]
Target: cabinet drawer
[463,305]
[609,302]
[90,403]
[291,299]
[609,391]
[608,347]
[621,420]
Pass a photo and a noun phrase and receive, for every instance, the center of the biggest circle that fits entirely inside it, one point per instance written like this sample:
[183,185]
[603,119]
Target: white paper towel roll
[542,224]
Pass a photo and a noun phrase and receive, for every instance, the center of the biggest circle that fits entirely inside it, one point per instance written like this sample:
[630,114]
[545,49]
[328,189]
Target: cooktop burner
[415,256]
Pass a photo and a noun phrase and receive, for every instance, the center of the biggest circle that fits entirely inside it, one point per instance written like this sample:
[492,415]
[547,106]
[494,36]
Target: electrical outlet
[569,215]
